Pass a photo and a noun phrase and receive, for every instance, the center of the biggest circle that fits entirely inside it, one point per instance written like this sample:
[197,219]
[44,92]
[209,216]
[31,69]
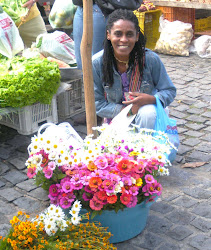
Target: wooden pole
[86,57]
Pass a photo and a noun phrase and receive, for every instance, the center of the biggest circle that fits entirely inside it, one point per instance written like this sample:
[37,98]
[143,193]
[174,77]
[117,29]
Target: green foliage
[27,81]
[14,9]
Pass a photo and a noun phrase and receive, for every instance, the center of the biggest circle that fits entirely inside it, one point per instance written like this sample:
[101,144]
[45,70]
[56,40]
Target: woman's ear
[108,35]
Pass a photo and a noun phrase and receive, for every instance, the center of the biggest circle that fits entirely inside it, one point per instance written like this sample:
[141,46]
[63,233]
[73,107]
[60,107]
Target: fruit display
[146,6]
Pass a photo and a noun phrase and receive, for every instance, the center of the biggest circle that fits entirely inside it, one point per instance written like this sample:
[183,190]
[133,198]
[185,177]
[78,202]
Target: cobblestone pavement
[181,218]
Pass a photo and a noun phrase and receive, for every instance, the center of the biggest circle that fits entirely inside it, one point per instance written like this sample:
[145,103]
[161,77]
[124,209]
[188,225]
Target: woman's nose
[123,38]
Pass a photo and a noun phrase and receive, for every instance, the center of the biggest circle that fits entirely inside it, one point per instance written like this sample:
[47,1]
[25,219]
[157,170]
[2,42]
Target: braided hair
[138,51]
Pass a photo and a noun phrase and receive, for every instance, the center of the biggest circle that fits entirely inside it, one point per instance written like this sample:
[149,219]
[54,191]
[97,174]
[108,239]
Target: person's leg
[31,29]
[146,117]
[77,34]
[99,29]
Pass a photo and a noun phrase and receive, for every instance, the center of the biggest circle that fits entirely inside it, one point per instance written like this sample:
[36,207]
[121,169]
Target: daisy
[76,220]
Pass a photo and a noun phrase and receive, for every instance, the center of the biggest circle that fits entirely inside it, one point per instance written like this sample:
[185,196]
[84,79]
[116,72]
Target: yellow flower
[139,182]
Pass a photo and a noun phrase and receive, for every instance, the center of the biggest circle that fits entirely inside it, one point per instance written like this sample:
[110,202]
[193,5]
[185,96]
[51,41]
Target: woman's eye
[130,34]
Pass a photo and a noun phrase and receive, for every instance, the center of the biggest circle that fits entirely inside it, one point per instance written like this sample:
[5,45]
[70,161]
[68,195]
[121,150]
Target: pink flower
[52,165]
[133,202]
[125,198]
[67,187]
[77,186]
[48,172]
[75,178]
[87,196]
[158,189]
[151,199]
[31,172]
[101,162]
[65,203]
[149,178]
[149,189]
[127,181]
[53,190]
[134,190]
[95,205]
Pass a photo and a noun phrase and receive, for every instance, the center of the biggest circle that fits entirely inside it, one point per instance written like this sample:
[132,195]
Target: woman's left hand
[138,100]
[29,4]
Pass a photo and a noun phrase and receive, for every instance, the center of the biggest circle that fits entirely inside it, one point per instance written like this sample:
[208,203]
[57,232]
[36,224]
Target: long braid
[138,51]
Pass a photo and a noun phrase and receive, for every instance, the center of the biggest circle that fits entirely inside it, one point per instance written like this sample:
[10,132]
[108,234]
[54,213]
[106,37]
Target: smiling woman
[125,72]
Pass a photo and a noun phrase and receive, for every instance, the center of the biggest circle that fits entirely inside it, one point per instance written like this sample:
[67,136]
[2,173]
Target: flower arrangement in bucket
[51,229]
[110,173]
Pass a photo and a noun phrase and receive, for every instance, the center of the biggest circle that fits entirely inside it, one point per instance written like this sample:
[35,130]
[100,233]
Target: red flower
[125,166]
[112,199]
[95,205]
[125,199]
[94,182]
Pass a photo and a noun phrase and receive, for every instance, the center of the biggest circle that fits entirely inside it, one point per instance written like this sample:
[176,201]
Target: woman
[99,28]
[126,66]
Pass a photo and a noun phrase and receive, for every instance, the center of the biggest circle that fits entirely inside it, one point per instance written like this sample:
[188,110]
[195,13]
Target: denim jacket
[155,81]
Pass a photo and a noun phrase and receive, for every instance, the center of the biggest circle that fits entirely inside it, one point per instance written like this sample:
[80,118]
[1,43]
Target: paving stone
[179,232]
[40,194]
[126,246]
[196,118]
[180,216]
[19,163]
[194,133]
[10,194]
[207,137]
[202,224]
[181,122]
[204,147]
[148,241]
[169,246]
[162,207]
[29,204]
[195,126]
[3,168]
[208,129]
[188,101]
[4,219]
[19,140]
[168,198]
[198,156]
[7,208]
[181,130]
[15,177]
[178,114]
[200,242]
[185,201]
[5,153]
[183,149]
[193,95]
[4,229]
[208,122]
[2,184]
[206,98]
[207,114]
[194,111]
[182,107]
[201,104]
[198,193]
[202,209]
[159,225]
[27,185]
[191,142]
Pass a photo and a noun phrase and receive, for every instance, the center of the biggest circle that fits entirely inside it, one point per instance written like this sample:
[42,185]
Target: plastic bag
[10,40]
[62,13]
[202,46]
[169,126]
[58,45]
[175,38]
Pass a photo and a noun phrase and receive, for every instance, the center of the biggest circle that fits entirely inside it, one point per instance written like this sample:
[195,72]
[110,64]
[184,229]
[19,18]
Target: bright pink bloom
[133,202]
[77,186]
[149,189]
[95,205]
[101,162]
[65,203]
[67,187]
[158,189]
[52,165]
[127,181]
[31,172]
[87,196]
[53,190]
[48,172]
[149,178]
[134,190]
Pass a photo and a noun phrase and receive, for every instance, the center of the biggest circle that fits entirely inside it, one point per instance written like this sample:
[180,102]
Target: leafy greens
[27,81]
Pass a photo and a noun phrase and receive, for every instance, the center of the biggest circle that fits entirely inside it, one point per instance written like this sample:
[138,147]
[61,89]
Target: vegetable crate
[185,15]
[71,102]
[202,24]
[27,120]
[149,25]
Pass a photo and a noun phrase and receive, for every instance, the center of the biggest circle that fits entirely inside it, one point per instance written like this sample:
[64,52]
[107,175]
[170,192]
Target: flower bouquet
[51,229]
[115,171]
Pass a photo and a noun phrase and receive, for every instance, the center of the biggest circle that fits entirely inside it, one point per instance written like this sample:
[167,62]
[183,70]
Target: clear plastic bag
[175,37]
[62,14]
[10,40]
[58,45]
[202,46]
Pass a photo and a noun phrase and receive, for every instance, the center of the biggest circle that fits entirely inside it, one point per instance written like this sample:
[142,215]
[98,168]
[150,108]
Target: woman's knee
[146,117]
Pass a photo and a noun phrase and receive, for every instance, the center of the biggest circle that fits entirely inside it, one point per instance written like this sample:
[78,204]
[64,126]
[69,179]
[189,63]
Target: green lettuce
[25,81]
[14,9]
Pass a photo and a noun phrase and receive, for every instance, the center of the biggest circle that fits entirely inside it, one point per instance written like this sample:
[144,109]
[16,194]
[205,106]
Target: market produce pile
[14,9]
[25,81]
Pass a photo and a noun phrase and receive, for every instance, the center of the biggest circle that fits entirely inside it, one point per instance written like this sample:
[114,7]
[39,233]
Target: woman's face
[123,37]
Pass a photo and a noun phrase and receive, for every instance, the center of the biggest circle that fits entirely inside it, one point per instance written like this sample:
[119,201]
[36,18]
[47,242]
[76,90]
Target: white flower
[77,206]
[62,224]
[50,227]
[76,220]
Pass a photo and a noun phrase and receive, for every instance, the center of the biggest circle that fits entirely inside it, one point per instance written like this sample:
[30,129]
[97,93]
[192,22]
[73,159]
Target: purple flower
[149,178]
[65,202]
[53,190]
[101,162]
[67,187]
[48,172]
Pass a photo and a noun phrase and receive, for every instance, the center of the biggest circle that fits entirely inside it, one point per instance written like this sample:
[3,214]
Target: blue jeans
[99,32]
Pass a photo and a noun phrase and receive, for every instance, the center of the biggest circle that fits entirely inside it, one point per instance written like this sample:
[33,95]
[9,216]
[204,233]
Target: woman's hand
[29,4]
[138,100]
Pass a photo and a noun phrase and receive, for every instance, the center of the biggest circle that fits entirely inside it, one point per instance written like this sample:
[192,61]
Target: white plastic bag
[202,46]
[175,37]
[10,40]
[58,45]
[62,14]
